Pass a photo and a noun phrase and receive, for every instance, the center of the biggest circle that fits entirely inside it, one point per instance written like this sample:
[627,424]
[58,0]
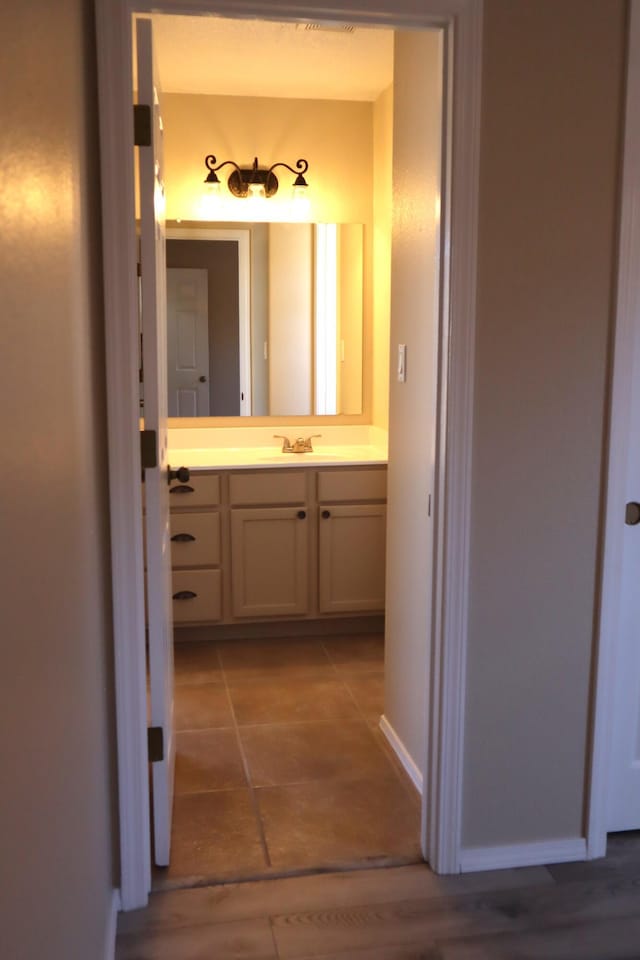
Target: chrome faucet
[299,445]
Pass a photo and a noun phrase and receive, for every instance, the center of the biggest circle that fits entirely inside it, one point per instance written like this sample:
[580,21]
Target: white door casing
[615,762]
[461,21]
[188,342]
[157,531]
[623,809]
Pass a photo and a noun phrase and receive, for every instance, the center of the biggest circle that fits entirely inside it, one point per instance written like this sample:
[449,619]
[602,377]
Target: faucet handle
[308,444]
[286,443]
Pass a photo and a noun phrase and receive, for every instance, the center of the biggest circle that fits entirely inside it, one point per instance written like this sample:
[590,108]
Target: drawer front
[206,605]
[195,539]
[268,487]
[199,491]
[335,486]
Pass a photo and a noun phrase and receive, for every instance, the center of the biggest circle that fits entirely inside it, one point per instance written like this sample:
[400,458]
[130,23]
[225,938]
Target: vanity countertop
[230,458]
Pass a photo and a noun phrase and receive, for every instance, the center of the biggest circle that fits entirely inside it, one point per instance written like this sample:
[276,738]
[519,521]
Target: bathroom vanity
[294,537]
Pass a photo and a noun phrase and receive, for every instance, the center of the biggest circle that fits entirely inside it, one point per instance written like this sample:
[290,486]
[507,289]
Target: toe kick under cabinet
[251,545]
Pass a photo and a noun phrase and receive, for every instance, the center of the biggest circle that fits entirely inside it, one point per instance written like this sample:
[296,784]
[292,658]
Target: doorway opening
[278,744]
[437,747]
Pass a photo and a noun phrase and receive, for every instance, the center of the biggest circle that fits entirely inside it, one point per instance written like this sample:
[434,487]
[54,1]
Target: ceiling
[215,55]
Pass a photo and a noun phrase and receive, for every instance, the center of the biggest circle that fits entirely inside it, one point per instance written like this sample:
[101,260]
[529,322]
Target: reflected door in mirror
[188,342]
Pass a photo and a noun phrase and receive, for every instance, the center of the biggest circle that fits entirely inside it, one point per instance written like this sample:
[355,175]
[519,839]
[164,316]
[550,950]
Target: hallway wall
[553,82]
[57,823]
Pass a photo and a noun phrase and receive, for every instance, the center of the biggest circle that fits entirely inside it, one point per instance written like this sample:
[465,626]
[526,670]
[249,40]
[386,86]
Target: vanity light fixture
[255,180]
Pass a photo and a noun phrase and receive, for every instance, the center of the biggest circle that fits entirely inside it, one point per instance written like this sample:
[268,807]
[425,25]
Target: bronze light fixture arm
[301,168]
[210,163]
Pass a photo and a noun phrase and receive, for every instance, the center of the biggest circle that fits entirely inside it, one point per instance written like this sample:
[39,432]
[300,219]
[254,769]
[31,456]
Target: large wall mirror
[265,319]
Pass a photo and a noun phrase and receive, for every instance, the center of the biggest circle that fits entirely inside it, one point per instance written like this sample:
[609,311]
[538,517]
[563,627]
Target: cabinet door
[269,561]
[351,557]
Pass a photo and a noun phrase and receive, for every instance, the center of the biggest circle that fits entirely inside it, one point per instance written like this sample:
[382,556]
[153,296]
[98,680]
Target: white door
[154,324]
[624,775]
[188,342]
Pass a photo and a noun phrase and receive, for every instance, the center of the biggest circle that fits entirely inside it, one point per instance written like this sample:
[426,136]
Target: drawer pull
[183,538]
[302,514]
[185,488]
[185,595]
[326,514]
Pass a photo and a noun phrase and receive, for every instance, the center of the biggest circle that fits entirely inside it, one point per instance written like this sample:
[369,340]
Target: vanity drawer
[200,491]
[268,487]
[206,604]
[195,539]
[355,485]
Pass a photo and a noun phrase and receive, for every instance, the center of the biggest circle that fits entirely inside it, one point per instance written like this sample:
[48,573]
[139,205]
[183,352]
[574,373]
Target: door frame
[461,23]
[242,238]
[627,332]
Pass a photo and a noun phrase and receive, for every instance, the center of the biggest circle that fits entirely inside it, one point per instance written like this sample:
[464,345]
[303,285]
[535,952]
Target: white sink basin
[300,458]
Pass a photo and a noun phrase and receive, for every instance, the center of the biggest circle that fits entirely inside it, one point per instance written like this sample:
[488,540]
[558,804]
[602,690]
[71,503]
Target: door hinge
[155,739]
[148,449]
[141,125]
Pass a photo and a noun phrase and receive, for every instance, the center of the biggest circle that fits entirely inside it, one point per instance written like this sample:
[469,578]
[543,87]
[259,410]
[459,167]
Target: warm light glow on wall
[284,208]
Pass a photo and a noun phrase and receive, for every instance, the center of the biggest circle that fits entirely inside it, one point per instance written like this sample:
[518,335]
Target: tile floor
[280,765]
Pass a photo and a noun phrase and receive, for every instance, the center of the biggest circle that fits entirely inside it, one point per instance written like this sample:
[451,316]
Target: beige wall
[57,825]
[552,94]
[414,322]
[334,136]
[382,210]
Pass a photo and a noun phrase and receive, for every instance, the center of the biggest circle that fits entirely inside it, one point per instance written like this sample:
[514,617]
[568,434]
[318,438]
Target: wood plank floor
[587,911]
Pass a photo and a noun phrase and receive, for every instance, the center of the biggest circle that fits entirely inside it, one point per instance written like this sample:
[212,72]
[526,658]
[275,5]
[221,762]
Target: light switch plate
[402,362]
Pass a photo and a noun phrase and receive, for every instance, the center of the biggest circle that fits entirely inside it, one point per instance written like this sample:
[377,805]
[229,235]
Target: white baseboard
[401,752]
[112,925]
[523,854]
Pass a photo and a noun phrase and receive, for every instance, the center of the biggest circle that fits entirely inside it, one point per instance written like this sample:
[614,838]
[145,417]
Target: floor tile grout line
[356,721]
[270,920]
[328,655]
[245,764]
[181,730]
[399,774]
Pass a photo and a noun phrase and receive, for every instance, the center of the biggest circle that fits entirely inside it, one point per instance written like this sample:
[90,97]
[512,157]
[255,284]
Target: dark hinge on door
[155,739]
[141,125]
[148,449]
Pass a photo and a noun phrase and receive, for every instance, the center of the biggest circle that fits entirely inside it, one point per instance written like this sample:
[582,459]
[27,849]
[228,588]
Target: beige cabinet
[262,544]
[351,558]
[196,550]
[269,561]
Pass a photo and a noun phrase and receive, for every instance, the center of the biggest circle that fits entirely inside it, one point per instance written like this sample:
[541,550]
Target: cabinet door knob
[183,538]
[185,595]
[326,514]
[302,514]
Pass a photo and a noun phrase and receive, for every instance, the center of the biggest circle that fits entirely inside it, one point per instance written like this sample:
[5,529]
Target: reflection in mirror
[265,319]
